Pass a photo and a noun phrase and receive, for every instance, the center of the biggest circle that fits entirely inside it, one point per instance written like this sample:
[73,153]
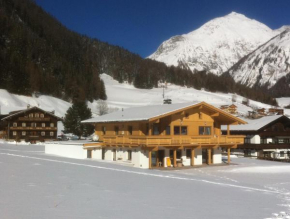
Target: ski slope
[126,95]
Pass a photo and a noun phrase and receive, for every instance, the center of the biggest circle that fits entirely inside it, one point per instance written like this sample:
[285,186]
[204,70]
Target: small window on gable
[36,115]
[41,115]
[30,115]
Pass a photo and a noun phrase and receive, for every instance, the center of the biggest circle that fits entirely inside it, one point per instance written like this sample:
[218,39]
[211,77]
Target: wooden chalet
[31,125]
[232,109]
[267,136]
[165,135]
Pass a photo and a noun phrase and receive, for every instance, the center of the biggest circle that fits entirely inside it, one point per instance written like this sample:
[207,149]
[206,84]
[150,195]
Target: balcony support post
[228,129]
[229,155]
[208,156]
[174,158]
[192,156]
[150,158]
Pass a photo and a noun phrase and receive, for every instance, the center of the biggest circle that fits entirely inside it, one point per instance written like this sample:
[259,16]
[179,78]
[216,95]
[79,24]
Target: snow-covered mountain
[216,46]
[267,64]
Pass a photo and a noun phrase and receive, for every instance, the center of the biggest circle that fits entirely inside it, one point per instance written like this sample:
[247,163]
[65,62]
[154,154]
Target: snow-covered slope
[216,46]
[267,64]
[126,95]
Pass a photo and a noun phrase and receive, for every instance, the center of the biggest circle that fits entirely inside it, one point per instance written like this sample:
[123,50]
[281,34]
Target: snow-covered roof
[253,125]
[146,113]
[140,113]
[26,110]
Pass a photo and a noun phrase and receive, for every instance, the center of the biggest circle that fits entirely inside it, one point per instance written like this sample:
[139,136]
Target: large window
[130,130]
[155,129]
[14,133]
[52,125]
[180,130]
[204,130]
[43,125]
[24,133]
[167,130]
[33,124]
[104,130]
[51,134]
[188,153]
[15,124]
[116,130]
[23,124]
[42,133]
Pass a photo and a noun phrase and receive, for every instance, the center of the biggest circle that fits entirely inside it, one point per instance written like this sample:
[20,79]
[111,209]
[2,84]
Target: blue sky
[142,25]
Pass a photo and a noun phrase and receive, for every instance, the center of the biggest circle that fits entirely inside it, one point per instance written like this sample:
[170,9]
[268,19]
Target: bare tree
[102,107]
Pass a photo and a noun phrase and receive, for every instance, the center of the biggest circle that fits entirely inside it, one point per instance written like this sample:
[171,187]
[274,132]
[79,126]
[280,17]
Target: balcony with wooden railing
[173,140]
[33,119]
[33,128]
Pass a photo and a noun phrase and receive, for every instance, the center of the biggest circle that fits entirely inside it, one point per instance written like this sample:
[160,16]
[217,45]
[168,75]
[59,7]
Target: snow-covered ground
[35,185]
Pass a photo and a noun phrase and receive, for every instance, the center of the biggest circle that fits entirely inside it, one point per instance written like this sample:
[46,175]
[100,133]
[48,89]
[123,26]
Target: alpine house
[169,135]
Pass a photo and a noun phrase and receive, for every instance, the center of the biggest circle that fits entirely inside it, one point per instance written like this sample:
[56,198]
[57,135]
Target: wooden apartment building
[32,124]
[165,135]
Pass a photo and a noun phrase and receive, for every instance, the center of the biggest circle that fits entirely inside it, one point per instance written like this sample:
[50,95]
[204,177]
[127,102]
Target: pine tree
[72,121]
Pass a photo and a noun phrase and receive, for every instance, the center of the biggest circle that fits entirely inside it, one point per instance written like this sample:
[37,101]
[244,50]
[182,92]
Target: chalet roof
[254,125]
[146,113]
[15,113]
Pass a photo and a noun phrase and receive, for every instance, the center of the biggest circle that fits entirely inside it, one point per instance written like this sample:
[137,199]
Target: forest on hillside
[39,54]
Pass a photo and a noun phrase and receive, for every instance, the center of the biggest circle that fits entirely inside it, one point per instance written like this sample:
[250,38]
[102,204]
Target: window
[282,154]
[30,115]
[129,155]
[14,124]
[51,125]
[36,115]
[130,130]
[51,134]
[14,133]
[104,130]
[247,140]
[116,130]
[41,115]
[155,129]
[180,130]
[176,130]
[263,140]
[23,124]
[24,133]
[43,125]
[167,130]
[42,133]
[183,130]
[33,124]
[188,153]
[204,130]
[178,154]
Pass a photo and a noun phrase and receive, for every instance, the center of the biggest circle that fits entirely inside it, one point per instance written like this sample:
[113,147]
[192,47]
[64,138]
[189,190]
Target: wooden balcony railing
[34,128]
[33,119]
[173,140]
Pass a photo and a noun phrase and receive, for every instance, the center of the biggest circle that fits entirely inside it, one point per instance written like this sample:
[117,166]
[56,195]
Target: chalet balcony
[33,128]
[33,119]
[173,141]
